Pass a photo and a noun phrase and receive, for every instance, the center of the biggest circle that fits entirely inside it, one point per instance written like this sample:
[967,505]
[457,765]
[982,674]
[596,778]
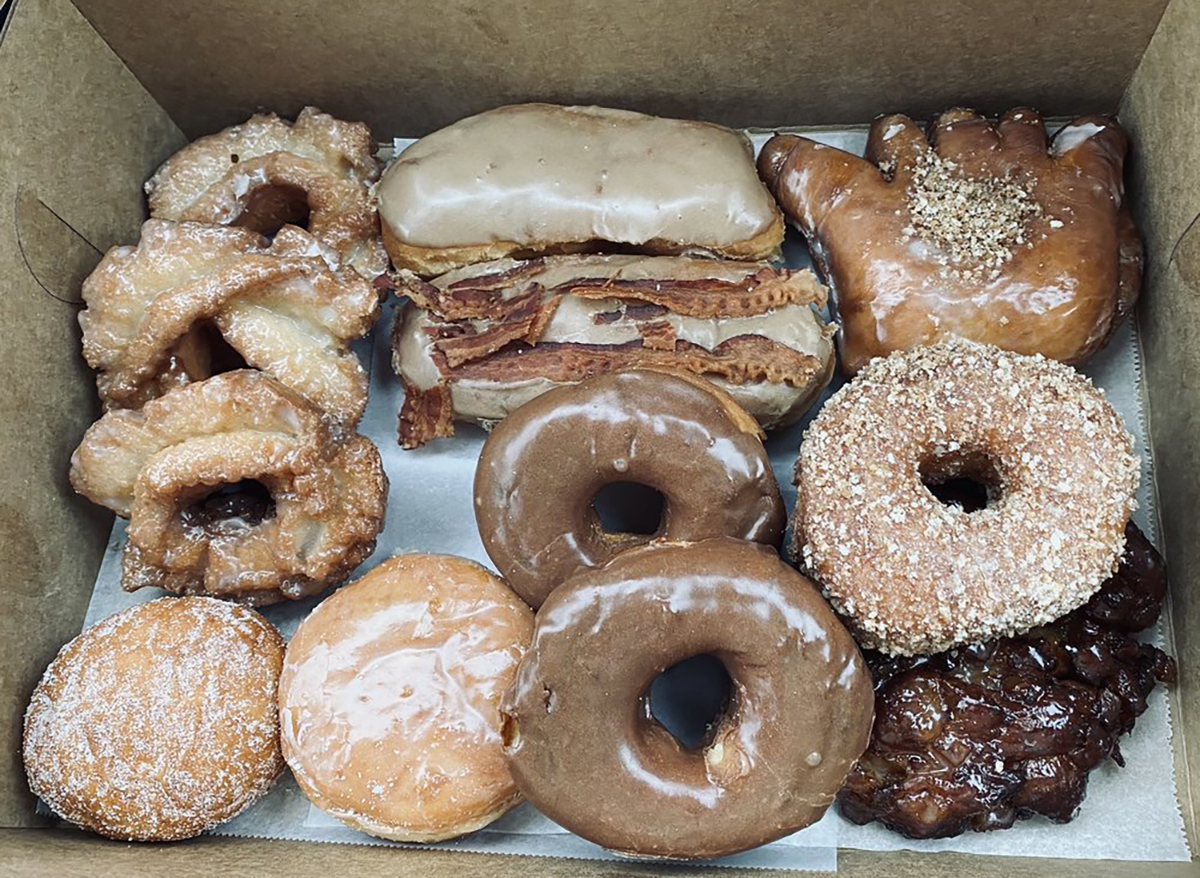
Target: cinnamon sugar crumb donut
[914,576]
[158,722]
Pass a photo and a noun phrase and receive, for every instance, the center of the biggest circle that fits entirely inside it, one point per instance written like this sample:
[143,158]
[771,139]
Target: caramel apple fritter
[979,737]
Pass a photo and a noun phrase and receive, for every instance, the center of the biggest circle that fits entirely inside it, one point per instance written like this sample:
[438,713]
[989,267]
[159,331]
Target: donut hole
[629,508]
[231,508]
[224,357]
[690,698]
[267,209]
[969,480]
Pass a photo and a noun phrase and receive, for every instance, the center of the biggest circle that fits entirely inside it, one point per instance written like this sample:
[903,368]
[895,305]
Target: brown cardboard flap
[409,66]
[39,853]
[1162,111]
[60,206]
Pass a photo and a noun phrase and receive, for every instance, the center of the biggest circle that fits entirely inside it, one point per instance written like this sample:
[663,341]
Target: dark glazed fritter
[982,736]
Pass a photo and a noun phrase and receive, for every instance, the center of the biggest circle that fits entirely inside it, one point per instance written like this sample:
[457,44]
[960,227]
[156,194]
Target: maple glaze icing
[535,174]
[542,466]
[586,750]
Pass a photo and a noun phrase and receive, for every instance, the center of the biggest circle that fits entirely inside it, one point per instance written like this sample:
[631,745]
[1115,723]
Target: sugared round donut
[585,749]
[916,576]
[389,699]
[158,722]
[543,465]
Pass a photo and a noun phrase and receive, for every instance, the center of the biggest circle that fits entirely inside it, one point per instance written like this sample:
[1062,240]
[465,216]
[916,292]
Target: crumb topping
[915,576]
[976,221]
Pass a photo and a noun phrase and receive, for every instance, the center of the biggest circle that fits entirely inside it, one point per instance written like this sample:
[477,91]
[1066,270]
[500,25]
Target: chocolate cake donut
[586,750]
[674,432]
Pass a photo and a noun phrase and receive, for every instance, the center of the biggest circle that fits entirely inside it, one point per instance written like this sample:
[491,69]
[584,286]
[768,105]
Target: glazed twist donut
[158,465]
[267,172]
[985,231]
[281,307]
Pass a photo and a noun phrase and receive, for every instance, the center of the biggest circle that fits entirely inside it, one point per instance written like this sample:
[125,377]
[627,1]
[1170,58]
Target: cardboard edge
[89,120]
[33,853]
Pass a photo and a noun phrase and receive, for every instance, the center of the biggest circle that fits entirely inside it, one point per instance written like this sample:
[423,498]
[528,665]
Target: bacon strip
[743,359]
[765,290]
[425,415]
[659,335]
[525,322]
[482,298]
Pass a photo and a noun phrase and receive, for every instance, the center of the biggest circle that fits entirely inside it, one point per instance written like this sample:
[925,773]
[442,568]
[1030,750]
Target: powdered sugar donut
[158,722]
[913,575]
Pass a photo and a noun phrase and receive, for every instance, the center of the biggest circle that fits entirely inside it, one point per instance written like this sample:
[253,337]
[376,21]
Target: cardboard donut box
[94,94]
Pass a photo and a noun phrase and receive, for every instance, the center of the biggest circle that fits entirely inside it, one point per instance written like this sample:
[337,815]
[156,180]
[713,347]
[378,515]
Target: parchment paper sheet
[1129,813]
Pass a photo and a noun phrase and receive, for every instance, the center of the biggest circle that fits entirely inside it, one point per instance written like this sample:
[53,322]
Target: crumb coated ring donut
[582,743]
[914,576]
[389,699]
[542,466]
[158,722]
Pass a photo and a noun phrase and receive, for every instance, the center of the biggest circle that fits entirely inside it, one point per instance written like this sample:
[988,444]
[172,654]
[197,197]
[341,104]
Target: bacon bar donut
[986,231]
[915,576]
[389,700]
[155,312]
[163,467]
[532,179]
[542,466]
[268,172]
[477,343]
[586,750]
[159,722]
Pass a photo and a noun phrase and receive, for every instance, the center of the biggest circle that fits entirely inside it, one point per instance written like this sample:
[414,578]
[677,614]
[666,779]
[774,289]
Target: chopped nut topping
[976,221]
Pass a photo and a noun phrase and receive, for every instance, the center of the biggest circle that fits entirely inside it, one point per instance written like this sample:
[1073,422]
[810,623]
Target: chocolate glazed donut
[542,466]
[585,750]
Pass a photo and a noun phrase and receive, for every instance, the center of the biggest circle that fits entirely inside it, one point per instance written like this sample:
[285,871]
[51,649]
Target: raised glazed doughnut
[476,343]
[158,722]
[986,230]
[916,576]
[268,172]
[389,700]
[532,179]
[541,468]
[585,749]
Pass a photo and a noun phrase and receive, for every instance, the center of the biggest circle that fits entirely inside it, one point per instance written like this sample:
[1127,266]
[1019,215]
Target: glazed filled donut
[268,172]
[155,312]
[915,576]
[476,343]
[542,466]
[533,179]
[164,467]
[389,700]
[988,231]
[158,722]
[585,749]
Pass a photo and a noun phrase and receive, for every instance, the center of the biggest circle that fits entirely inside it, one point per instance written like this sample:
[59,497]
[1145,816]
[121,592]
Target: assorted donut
[947,643]
[541,468]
